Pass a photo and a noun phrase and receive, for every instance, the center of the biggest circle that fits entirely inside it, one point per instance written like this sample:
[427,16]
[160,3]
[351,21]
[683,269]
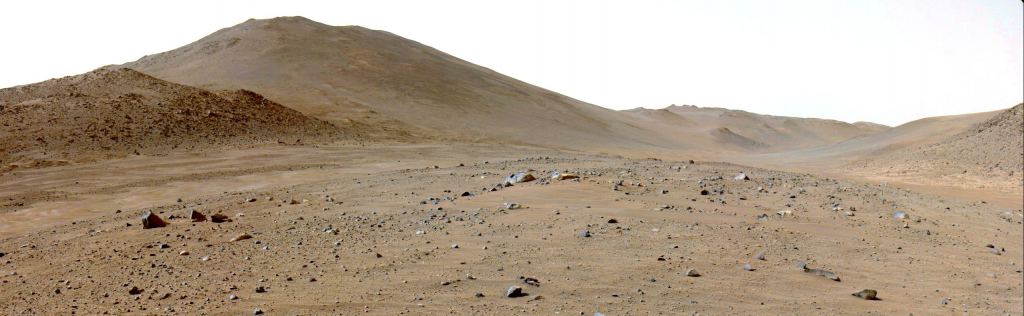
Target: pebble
[692,273]
[257,311]
[584,233]
[747,267]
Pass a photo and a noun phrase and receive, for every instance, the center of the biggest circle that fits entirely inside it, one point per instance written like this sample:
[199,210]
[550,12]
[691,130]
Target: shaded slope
[115,112]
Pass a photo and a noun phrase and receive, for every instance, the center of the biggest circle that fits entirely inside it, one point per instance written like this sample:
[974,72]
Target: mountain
[990,153]
[117,112]
[351,74]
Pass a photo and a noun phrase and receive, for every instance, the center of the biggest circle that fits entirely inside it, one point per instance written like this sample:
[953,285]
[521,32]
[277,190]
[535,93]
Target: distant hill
[117,112]
[745,131]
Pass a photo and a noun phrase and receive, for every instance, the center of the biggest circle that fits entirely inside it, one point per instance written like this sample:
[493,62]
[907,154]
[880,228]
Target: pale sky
[883,61]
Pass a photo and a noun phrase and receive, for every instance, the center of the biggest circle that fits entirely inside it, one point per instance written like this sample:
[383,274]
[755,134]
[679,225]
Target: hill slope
[353,74]
[350,73]
[115,112]
[990,153]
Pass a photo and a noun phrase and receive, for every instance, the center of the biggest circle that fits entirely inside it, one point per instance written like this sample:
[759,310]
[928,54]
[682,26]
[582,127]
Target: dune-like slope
[831,156]
[750,132]
[116,112]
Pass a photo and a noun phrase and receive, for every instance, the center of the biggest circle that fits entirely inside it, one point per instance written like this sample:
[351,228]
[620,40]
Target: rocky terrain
[284,166]
[431,229]
[990,154]
[118,112]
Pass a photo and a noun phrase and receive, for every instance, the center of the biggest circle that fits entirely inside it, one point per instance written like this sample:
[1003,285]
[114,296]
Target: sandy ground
[372,231]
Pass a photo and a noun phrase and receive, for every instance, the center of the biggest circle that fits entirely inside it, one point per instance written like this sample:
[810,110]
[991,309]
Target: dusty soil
[372,231]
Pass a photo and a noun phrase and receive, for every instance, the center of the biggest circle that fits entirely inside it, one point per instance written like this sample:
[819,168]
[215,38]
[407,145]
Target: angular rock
[151,220]
[514,291]
[742,176]
[584,233]
[196,216]
[867,294]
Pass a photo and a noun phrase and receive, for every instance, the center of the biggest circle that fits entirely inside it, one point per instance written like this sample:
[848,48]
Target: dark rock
[514,291]
[219,218]
[196,216]
[692,273]
[530,281]
[134,291]
[241,237]
[151,220]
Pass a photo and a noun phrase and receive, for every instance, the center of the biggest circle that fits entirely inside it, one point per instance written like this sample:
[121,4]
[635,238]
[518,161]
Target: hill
[990,153]
[117,112]
[347,74]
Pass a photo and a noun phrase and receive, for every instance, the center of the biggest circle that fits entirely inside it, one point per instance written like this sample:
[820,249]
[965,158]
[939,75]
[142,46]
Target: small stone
[478,294]
[196,216]
[900,215]
[613,221]
[584,233]
[759,256]
[241,237]
[257,311]
[455,246]
[260,289]
[183,253]
[134,291]
[747,267]
[232,297]
[151,220]
[514,291]
[692,273]
[219,218]
[867,294]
